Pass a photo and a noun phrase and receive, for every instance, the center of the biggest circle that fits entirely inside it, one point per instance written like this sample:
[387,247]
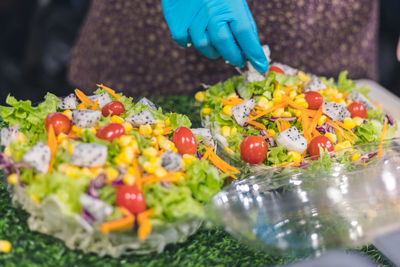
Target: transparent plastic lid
[309,209]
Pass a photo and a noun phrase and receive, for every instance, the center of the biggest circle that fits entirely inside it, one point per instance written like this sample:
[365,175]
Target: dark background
[36,37]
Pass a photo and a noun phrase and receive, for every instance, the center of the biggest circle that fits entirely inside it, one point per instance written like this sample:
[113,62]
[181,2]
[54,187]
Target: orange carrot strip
[279,126]
[82,97]
[220,164]
[125,222]
[348,129]
[82,106]
[285,125]
[257,124]
[382,137]
[137,173]
[288,88]
[109,90]
[144,224]
[95,105]
[314,121]
[266,111]
[232,101]
[52,144]
[167,130]
[345,94]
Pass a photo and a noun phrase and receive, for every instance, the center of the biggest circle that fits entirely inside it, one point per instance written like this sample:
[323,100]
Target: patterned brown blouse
[126,44]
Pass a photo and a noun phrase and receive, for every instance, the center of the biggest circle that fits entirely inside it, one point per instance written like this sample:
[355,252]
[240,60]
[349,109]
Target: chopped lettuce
[178,120]
[277,155]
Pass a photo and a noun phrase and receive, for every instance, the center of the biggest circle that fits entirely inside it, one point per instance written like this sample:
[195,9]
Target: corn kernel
[35,198]
[158,131]
[179,175]
[278,112]
[200,96]
[296,156]
[86,171]
[234,130]
[7,151]
[349,123]
[301,96]
[303,76]
[347,144]
[145,129]
[286,114]
[149,168]
[297,113]
[226,131]
[112,173]
[167,122]
[338,146]
[292,94]
[331,137]
[206,111]
[277,99]
[322,120]
[342,145]
[339,96]
[61,137]
[278,92]
[21,137]
[127,126]
[355,157]
[187,159]
[160,172]
[125,140]
[71,148]
[263,102]
[127,155]
[150,152]
[160,124]
[68,113]
[156,161]
[5,246]
[129,179]
[12,179]
[92,129]
[271,132]
[117,119]
[358,120]
[341,101]
[331,92]
[227,110]
[168,145]
[76,129]
[229,150]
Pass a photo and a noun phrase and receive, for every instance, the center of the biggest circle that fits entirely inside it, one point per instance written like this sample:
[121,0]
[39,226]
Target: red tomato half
[130,198]
[253,149]
[357,110]
[110,131]
[184,141]
[317,142]
[276,69]
[60,122]
[113,108]
[314,99]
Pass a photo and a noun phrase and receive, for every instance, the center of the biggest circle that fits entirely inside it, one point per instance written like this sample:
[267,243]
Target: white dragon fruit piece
[145,101]
[103,99]
[206,135]
[142,118]
[315,85]
[8,135]
[358,97]
[38,157]
[288,70]
[171,161]
[253,71]
[292,140]
[97,208]
[89,155]
[242,111]
[85,118]
[335,111]
[68,102]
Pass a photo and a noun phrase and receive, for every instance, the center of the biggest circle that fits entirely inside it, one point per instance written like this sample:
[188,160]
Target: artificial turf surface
[208,247]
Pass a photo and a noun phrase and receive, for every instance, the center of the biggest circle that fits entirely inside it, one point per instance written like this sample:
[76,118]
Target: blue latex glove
[216,28]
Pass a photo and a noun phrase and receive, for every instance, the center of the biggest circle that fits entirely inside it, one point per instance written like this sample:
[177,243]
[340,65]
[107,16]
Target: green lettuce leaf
[178,120]
[277,155]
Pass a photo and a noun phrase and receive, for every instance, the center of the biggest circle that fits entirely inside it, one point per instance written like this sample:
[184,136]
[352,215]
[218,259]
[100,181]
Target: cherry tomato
[357,110]
[130,198]
[110,131]
[60,122]
[317,142]
[113,108]
[184,141]
[276,69]
[314,99]
[253,149]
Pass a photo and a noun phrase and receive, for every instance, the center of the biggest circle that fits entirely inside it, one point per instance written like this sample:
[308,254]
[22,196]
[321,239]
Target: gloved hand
[216,28]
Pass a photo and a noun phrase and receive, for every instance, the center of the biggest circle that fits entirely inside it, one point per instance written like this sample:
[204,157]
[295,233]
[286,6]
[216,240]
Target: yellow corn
[322,120]
[303,76]
[76,129]
[330,92]
[166,144]
[187,159]
[277,99]
[227,110]
[200,96]
[296,156]
[71,148]
[127,155]
[206,111]
[21,137]
[68,113]
[292,94]
[349,123]
[167,122]
[278,112]
[355,157]
[271,132]
[301,102]
[5,246]
[358,120]
[339,96]
[331,137]
[233,130]
[92,129]
[61,137]
[297,113]
[229,151]
[125,140]
[342,145]
[117,119]
[150,152]
[160,172]
[111,173]
[7,151]
[155,160]
[12,179]
[341,101]
[160,124]
[301,96]
[127,126]
[263,102]
[286,114]
[226,131]
[129,179]
[278,92]
[149,168]
[145,129]
[158,131]
[35,198]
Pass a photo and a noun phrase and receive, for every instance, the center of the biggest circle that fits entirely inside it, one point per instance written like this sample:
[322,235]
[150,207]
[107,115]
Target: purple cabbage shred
[271,142]
[389,120]
[166,184]
[86,216]
[199,155]
[96,184]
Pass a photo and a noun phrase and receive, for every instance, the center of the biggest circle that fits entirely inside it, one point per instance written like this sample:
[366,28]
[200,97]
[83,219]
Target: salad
[262,121]
[108,175]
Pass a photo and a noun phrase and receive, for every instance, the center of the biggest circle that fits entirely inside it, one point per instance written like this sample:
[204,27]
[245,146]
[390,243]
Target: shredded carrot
[82,106]
[257,124]
[314,121]
[170,177]
[167,130]
[281,164]
[345,94]
[206,155]
[339,136]
[220,164]
[285,125]
[279,126]
[382,137]
[82,97]
[346,128]
[144,224]
[137,173]
[294,105]
[341,131]
[109,90]
[266,111]
[232,101]
[95,105]
[52,144]
[288,88]
[125,222]
[376,104]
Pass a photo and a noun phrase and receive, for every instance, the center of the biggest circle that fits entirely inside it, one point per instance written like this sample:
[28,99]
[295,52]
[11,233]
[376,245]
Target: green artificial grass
[208,247]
